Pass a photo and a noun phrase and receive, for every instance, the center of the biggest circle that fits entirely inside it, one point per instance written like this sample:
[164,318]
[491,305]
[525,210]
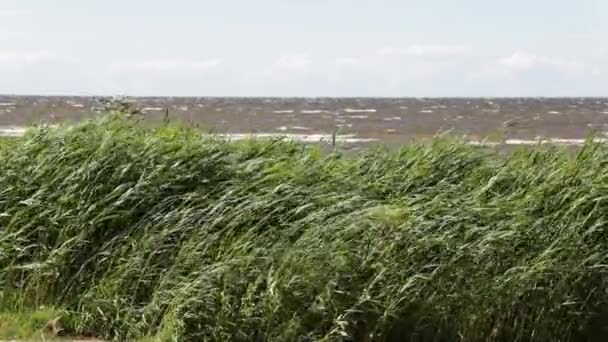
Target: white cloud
[4,13]
[294,62]
[348,61]
[424,51]
[519,60]
[492,72]
[16,59]
[166,65]
[581,36]
[522,60]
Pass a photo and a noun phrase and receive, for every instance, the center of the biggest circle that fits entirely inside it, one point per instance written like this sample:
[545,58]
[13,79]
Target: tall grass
[170,234]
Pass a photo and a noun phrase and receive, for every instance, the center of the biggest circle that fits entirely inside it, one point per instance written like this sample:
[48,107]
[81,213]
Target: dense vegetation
[168,234]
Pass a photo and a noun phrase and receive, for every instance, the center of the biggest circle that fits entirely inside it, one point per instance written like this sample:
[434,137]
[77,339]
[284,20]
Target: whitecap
[350,110]
[531,142]
[310,138]
[483,143]
[521,142]
[553,141]
[394,118]
[313,111]
[12,131]
[152,109]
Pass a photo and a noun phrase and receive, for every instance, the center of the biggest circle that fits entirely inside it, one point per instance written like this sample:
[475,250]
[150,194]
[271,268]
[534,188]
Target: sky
[389,48]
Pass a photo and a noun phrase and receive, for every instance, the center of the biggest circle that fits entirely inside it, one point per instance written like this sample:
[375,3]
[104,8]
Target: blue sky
[305,47]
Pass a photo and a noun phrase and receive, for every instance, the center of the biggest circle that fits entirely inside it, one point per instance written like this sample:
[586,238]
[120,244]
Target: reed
[169,234]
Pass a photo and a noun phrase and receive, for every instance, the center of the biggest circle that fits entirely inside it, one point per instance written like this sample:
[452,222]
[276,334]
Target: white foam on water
[310,138]
[553,112]
[559,141]
[394,118]
[293,128]
[12,131]
[152,109]
[426,111]
[403,108]
[287,111]
[604,112]
[531,142]
[521,142]
[182,108]
[78,105]
[7,104]
[313,111]
[553,141]
[391,130]
[483,143]
[350,110]
[357,116]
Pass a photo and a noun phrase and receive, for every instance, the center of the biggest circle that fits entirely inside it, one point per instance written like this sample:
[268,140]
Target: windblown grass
[30,326]
[167,234]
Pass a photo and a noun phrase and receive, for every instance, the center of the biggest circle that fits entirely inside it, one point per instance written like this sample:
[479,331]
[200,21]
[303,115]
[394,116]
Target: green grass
[7,140]
[28,325]
[166,234]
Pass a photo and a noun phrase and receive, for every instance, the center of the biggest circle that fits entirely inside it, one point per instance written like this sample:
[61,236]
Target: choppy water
[511,121]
